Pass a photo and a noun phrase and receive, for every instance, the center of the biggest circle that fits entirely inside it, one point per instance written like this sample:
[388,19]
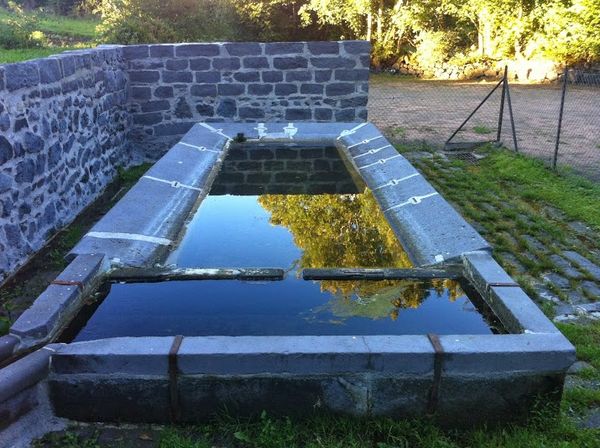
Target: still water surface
[290,232]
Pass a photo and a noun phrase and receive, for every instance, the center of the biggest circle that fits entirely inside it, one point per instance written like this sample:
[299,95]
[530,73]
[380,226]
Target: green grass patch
[83,28]
[386,77]
[481,129]
[131,175]
[323,431]
[530,179]
[586,338]
[24,54]
[78,27]
[56,34]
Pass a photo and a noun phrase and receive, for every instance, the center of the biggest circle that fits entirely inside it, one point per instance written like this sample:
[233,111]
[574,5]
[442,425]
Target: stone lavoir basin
[292,268]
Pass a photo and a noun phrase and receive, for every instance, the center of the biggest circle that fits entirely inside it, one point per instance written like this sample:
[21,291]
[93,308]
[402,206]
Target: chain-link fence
[419,112]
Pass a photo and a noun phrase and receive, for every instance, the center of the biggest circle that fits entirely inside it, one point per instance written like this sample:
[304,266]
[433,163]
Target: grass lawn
[81,27]
[64,33]
[24,54]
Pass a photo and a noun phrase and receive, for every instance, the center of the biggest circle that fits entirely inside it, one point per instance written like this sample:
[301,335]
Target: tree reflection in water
[351,231]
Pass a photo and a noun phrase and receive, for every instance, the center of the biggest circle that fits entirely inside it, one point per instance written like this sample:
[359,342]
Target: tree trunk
[369,26]
[380,21]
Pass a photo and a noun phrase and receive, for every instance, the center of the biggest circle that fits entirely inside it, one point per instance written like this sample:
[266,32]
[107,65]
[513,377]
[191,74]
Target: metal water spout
[290,130]
[262,130]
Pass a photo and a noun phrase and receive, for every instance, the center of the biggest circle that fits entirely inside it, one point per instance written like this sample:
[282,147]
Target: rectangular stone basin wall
[162,379]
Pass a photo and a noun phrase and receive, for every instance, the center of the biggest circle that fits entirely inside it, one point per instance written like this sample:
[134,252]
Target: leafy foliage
[356,234]
[19,30]
[425,33]
[151,21]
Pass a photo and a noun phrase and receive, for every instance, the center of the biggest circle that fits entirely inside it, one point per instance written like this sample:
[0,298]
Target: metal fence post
[512,117]
[560,117]
[501,116]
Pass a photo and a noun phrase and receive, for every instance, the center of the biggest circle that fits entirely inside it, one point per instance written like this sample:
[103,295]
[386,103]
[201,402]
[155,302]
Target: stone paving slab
[584,263]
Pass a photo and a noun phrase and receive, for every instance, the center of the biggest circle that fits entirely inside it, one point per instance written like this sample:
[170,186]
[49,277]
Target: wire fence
[428,113]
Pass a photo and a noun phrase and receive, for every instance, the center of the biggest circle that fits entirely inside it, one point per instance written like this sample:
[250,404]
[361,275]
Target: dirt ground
[430,111]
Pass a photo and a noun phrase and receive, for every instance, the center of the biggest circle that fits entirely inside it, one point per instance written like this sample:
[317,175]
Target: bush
[434,48]
[19,30]
[152,21]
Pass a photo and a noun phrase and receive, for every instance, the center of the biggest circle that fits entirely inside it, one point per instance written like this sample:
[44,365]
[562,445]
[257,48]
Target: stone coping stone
[44,315]
[140,228]
[482,270]
[502,354]
[224,355]
[517,312]
[315,355]
[8,343]
[133,356]
[50,311]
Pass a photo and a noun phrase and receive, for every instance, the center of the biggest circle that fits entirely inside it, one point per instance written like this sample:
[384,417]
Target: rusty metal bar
[438,360]
[67,283]
[175,410]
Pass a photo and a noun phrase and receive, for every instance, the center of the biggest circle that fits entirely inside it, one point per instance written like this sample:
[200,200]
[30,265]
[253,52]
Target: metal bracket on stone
[379,162]
[365,141]
[67,283]
[347,132]
[372,151]
[438,360]
[491,285]
[175,410]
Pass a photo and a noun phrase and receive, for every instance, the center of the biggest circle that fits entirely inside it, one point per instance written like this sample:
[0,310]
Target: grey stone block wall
[174,86]
[63,126]
[68,121]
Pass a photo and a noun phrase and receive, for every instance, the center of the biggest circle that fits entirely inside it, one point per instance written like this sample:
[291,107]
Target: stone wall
[174,86]
[63,125]
[252,170]
[68,121]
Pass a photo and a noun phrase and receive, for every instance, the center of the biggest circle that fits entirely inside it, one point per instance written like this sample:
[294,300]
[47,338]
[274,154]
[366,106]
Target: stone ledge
[517,311]
[482,270]
[498,355]
[7,346]
[142,225]
[49,312]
